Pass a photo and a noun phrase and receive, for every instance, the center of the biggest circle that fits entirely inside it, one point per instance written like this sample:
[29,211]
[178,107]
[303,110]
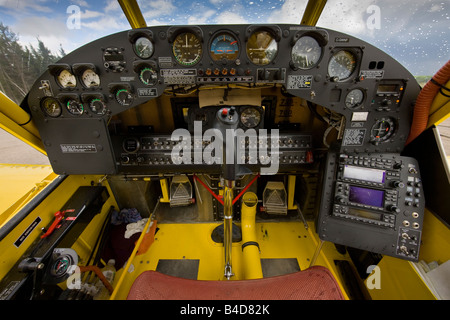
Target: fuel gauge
[90,79]
[66,79]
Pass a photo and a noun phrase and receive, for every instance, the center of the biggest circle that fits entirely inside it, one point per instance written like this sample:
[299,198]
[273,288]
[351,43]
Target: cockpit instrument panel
[347,76]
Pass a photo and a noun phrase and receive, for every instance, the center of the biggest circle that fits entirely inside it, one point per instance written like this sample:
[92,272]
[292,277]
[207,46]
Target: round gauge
[262,48]
[148,76]
[90,79]
[51,107]
[187,49]
[224,46]
[97,106]
[250,117]
[75,107]
[382,130]
[66,79]
[342,65]
[306,52]
[143,48]
[124,97]
[61,266]
[354,98]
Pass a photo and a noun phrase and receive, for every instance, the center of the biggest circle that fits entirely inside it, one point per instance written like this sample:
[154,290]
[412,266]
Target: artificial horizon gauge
[382,130]
[354,98]
[262,48]
[75,107]
[51,107]
[97,106]
[143,48]
[90,79]
[250,117]
[342,65]
[306,53]
[187,49]
[66,79]
[224,46]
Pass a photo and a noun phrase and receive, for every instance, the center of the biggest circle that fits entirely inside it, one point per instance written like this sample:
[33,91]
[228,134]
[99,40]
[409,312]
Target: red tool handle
[59,215]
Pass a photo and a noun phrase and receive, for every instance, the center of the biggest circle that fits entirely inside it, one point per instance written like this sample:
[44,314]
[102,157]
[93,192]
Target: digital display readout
[366,174]
[387,88]
[366,196]
[364,214]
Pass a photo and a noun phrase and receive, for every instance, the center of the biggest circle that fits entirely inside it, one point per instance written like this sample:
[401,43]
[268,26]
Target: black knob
[394,208]
[340,199]
[398,184]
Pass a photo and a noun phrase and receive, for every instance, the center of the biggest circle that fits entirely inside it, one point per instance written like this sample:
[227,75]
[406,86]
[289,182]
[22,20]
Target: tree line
[20,66]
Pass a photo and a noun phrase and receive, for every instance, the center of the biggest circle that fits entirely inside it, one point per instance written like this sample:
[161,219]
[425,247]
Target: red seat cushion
[315,283]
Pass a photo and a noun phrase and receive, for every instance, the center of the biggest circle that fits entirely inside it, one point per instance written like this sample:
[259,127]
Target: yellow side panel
[9,253]
[399,281]
[16,180]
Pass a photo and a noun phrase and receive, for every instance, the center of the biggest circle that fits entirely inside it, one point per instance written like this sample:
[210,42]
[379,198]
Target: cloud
[228,17]
[106,23]
[24,5]
[88,14]
[291,12]
[203,18]
[158,8]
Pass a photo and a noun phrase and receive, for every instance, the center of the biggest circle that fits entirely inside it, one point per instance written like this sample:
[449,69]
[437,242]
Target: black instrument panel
[371,90]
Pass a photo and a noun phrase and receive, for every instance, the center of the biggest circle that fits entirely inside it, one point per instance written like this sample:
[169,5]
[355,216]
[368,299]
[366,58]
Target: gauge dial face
[143,48]
[61,266]
[262,48]
[382,130]
[66,79]
[306,52]
[187,49]
[354,98]
[148,76]
[224,47]
[251,117]
[90,79]
[342,65]
[51,107]
[124,97]
[75,107]
[97,106]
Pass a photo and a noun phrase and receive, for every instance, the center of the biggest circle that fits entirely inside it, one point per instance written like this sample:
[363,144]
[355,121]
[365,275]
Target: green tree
[19,66]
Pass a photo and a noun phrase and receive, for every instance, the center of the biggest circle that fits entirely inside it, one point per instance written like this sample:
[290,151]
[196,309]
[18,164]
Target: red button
[224,112]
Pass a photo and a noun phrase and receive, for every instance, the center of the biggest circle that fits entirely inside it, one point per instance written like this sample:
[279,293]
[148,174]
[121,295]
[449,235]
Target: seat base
[315,283]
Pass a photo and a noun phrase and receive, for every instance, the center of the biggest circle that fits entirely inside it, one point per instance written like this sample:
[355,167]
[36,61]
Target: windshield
[415,32]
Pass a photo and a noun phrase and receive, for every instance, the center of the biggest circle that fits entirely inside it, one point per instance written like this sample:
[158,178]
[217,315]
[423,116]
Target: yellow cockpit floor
[192,241]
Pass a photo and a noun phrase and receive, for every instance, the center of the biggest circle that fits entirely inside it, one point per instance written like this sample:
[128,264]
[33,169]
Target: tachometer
[250,117]
[342,65]
[90,79]
[224,46]
[66,79]
[187,49]
[306,52]
[262,48]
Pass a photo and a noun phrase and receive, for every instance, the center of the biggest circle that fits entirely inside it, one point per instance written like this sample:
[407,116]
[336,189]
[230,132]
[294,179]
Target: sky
[414,32]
